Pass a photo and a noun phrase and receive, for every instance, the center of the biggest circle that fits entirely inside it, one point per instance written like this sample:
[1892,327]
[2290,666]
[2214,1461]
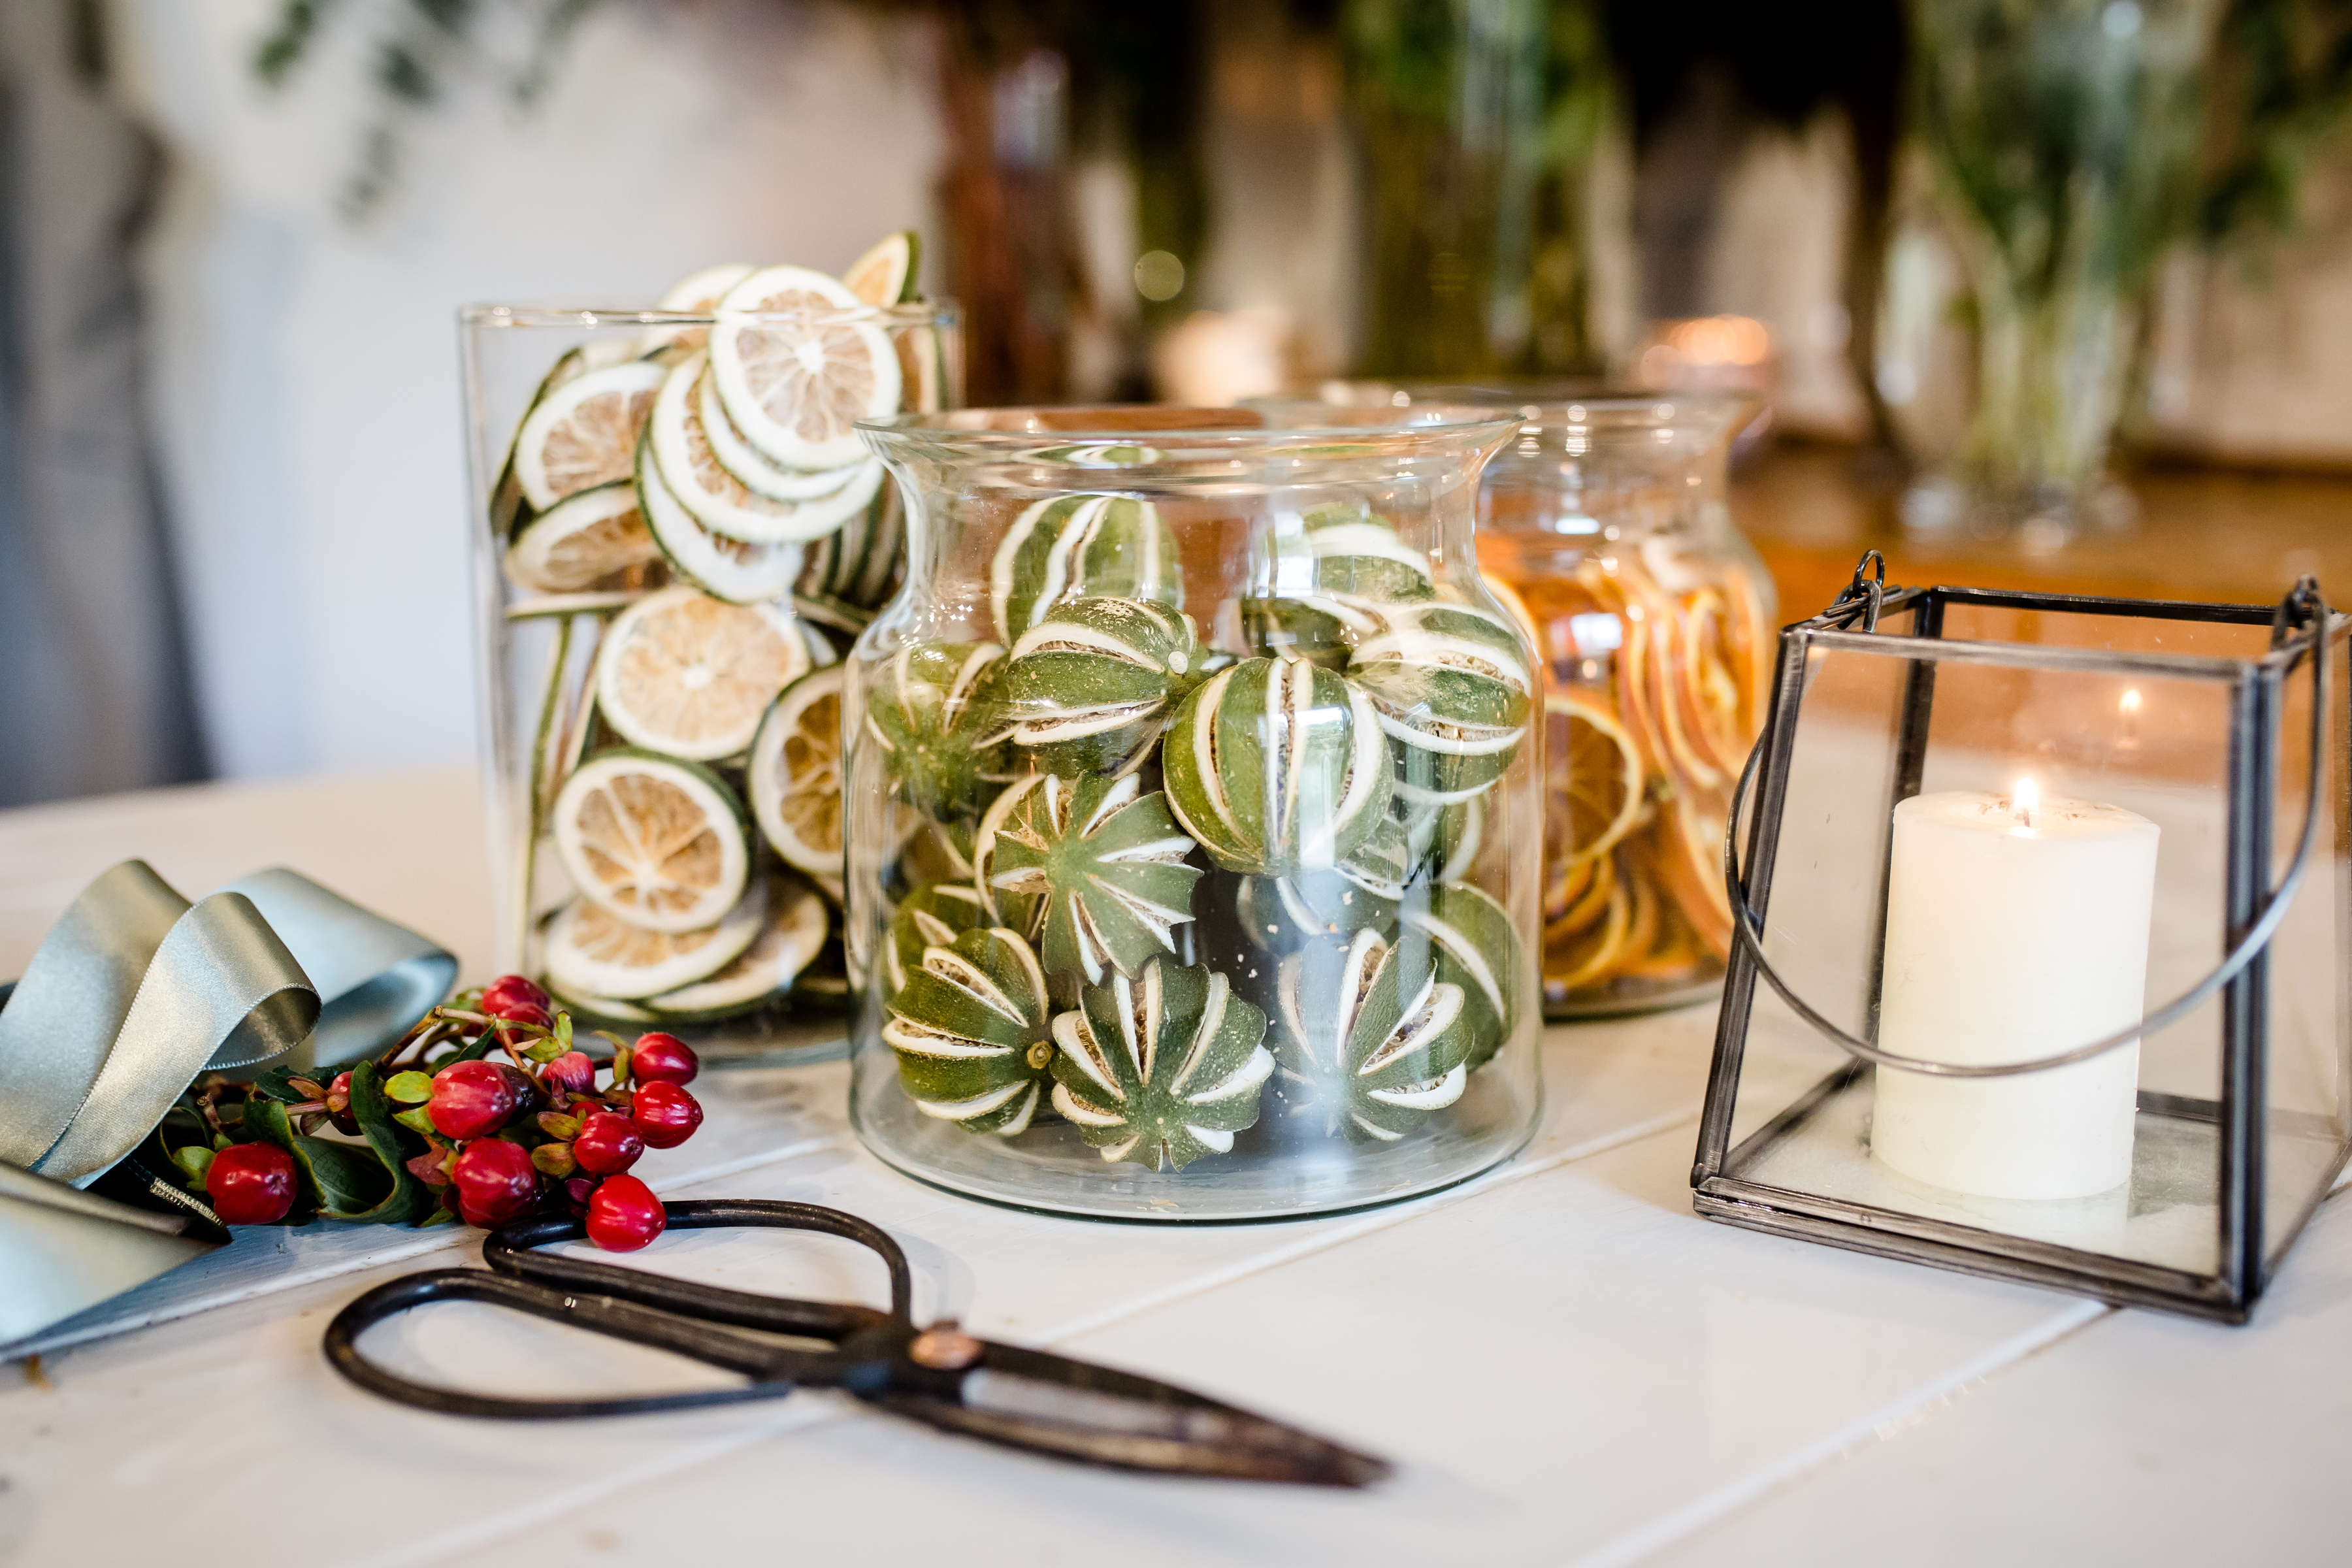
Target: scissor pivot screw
[944,1347]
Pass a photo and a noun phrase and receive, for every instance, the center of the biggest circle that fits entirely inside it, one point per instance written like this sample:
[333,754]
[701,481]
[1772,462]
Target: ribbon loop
[134,993]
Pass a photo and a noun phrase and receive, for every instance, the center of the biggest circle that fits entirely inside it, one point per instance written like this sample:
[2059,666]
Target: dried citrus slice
[660,843]
[798,377]
[795,932]
[794,774]
[886,274]
[1590,902]
[1584,958]
[584,433]
[591,542]
[758,475]
[689,676]
[1689,858]
[724,568]
[697,294]
[593,952]
[718,499]
[1595,775]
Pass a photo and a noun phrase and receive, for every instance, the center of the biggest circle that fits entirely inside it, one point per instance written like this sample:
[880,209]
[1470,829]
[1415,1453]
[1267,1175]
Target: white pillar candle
[2014,930]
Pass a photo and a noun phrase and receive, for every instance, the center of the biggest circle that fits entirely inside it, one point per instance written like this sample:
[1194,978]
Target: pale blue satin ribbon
[135,991]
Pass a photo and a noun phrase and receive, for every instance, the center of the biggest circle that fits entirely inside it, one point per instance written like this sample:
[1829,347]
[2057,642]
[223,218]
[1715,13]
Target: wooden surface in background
[2212,534]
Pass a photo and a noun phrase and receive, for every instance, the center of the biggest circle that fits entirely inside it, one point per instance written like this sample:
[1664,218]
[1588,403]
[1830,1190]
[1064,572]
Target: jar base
[1051,1170]
[1626,1001]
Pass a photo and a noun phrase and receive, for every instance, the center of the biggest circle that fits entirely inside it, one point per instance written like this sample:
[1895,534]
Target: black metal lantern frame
[1784,1143]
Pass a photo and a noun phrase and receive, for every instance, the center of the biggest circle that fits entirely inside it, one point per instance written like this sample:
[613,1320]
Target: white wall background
[307,378]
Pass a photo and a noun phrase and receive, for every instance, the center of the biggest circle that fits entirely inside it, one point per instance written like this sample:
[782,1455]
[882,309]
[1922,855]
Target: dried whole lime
[1070,547]
[1454,691]
[1369,1040]
[1161,1069]
[1088,687]
[1105,865]
[1276,767]
[1474,944]
[931,916]
[1360,893]
[972,1033]
[932,711]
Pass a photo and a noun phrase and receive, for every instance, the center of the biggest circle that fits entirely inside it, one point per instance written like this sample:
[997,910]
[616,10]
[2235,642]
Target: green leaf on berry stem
[409,1088]
[408,1201]
[545,1051]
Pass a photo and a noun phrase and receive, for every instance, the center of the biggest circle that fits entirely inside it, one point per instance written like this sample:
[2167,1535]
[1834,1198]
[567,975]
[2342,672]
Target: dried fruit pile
[485,1111]
[1174,893]
[1656,678]
[692,509]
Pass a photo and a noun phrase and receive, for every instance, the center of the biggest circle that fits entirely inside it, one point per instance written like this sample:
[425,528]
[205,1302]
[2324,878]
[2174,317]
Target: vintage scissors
[1025,1398]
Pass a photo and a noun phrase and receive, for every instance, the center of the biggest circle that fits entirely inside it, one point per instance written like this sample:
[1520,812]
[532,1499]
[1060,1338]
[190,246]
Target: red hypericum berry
[496,1182]
[665,1115]
[470,1100]
[607,1144]
[662,1058]
[623,1215]
[338,1105]
[572,1072]
[251,1184]
[577,1191]
[517,1001]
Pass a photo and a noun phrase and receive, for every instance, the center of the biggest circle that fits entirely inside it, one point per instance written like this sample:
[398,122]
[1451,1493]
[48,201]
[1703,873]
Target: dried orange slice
[1690,864]
[1584,958]
[1595,775]
[1590,904]
[584,433]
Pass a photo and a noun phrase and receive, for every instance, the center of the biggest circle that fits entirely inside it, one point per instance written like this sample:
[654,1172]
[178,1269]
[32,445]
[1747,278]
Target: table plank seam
[1809,1460]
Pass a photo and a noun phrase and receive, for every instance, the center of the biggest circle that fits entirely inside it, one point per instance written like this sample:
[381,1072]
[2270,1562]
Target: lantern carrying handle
[2303,605]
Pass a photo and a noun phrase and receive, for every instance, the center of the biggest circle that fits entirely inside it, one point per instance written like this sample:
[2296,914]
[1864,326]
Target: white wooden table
[1568,1364]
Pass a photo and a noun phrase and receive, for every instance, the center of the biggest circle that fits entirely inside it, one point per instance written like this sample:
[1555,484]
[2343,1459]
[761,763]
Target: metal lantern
[2041,971]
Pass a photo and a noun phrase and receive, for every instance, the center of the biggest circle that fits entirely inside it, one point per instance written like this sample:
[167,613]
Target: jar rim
[494,316]
[1721,413]
[1132,439]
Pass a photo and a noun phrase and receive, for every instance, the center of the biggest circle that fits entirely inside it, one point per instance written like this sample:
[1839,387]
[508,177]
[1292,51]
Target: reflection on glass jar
[1192,809]
[1604,526]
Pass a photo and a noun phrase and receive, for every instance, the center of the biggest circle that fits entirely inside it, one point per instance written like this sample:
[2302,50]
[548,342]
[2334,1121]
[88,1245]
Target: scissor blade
[1080,1411]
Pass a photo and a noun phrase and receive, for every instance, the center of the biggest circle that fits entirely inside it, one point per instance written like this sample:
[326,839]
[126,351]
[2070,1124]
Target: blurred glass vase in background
[1475,121]
[2061,136]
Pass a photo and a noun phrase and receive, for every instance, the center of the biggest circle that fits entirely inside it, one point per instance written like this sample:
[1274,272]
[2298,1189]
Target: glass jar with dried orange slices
[1606,526]
[681,535]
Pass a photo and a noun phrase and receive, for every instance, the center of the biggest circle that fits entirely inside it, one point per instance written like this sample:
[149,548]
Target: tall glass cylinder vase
[677,533]
[1194,818]
[2063,136]
[1475,121]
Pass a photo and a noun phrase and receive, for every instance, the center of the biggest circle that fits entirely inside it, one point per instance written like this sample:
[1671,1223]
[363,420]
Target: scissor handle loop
[2302,605]
[511,1250]
[699,1321]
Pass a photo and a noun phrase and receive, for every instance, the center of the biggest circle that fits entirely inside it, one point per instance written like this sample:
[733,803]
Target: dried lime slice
[795,931]
[689,676]
[697,294]
[586,542]
[724,568]
[660,843]
[798,377]
[720,501]
[591,953]
[758,475]
[584,433]
[886,274]
[794,774]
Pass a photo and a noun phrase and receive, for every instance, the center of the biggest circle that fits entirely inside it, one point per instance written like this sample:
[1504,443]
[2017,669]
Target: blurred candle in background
[2016,928]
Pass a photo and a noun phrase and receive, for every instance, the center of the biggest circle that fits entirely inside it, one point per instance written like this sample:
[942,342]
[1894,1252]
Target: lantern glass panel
[2307,1071]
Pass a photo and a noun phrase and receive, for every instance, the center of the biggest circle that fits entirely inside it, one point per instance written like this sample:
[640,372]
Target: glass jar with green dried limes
[1194,816]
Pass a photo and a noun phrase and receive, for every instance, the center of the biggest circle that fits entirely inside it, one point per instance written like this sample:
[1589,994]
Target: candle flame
[2130,703]
[2026,800]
